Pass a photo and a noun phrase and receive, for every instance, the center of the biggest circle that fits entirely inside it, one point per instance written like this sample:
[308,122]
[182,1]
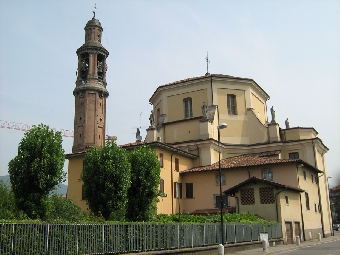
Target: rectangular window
[287,200]
[176,164]
[312,178]
[187,102]
[315,208]
[304,175]
[294,155]
[247,196]
[317,179]
[177,190]
[189,190]
[161,186]
[267,174]
[231,103]
[161,160]
[218,179]
[267,195]
[307,201]
[218,201]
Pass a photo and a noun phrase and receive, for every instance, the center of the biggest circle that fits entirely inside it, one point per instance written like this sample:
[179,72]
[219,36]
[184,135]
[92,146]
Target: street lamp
[221,126]
[330,206]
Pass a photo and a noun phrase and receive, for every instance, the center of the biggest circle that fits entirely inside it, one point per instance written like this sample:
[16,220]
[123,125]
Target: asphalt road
[327,246]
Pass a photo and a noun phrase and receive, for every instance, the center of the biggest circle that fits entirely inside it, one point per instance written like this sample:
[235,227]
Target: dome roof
[93,23]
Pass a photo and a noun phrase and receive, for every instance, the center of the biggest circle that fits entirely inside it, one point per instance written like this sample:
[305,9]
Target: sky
[290,48]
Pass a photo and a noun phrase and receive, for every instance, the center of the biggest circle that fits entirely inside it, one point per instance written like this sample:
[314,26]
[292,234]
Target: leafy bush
[7,202]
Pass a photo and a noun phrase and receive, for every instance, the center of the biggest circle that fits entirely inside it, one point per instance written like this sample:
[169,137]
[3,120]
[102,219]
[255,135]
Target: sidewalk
[286,247]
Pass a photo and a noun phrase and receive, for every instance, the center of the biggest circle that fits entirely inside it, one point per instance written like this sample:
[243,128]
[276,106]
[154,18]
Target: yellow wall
[267,211]
[168,204]
[180,131]
[299,134]
[259,107]
[176,106]
[74,188]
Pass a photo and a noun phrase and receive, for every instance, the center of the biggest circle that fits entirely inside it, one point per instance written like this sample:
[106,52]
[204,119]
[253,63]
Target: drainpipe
[303,222]
[172,185]
[315,165]
[248,172]
[323,229]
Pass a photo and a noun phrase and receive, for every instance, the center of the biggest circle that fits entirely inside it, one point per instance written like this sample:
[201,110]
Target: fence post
[77,244]
[46,238]
[12,241]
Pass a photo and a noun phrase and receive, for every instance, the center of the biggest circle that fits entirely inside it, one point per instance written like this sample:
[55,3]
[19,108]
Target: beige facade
[184,135]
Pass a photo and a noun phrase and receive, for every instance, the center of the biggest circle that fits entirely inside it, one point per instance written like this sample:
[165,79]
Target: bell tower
[90,92]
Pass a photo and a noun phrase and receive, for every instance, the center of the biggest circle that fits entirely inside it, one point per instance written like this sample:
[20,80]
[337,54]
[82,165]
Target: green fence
[60,239]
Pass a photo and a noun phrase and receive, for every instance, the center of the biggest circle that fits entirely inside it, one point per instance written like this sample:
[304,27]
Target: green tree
[106,177]
[37,169]
[145,179]
[7,203]
[64,209]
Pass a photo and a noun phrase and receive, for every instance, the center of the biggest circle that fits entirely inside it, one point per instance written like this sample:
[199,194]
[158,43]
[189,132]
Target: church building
[210,131]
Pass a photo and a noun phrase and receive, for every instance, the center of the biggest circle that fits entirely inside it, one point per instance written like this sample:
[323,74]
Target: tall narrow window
[312,178]
[161,186]
[187,102]
[304,175]
[189,190]
[287,200]
[307,200]
[177,190]
[176,164]
[231,102]
[294,155]
[161,160]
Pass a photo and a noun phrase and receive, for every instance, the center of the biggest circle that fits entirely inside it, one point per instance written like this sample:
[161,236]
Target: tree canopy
[37,169]
[106,177]
[145,179]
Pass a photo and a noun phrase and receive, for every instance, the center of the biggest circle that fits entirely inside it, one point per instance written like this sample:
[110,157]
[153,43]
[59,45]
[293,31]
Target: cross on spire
[207,60]
[94,12]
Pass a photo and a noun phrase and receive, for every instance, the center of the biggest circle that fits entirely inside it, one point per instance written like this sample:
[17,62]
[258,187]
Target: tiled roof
[204,77]
[256,179]
[160,145]
[246,161]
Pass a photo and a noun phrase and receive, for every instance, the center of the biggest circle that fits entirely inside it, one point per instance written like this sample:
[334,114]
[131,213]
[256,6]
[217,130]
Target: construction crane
[26,127]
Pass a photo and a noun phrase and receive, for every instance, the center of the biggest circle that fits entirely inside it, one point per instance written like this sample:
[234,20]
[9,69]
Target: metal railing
[60,239]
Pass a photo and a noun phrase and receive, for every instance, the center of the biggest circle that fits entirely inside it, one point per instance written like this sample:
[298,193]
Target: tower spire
[207,60]
[90,92]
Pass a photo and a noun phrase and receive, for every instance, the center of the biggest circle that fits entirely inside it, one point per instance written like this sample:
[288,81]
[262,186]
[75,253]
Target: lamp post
[221,126]
[330,206]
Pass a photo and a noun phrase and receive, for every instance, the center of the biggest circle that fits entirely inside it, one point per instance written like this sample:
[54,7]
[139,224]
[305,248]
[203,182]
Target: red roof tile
[245,161]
